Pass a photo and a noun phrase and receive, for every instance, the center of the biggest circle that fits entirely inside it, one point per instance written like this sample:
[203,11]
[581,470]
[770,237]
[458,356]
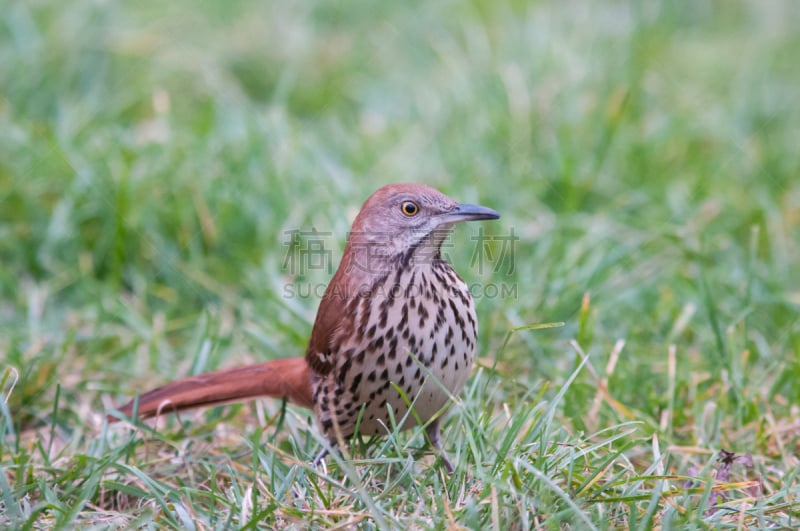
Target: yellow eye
[409,208]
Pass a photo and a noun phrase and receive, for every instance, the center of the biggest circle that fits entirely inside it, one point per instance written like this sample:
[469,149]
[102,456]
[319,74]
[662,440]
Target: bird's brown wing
[319,354]
[336,315]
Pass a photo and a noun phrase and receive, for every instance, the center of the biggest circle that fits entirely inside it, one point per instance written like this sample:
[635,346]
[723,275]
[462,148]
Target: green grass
[153,158]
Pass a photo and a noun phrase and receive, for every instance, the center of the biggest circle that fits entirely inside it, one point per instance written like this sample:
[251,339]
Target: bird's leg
[320,456]
[436,441]
[279,425]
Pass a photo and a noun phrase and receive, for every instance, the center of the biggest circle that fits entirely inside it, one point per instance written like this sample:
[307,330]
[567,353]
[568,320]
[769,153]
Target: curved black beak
[471,213]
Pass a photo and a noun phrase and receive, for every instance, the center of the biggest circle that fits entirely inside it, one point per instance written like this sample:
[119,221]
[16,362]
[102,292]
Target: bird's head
[400,220]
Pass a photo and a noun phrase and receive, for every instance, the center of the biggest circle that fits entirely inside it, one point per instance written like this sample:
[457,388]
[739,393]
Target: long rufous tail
[288,378]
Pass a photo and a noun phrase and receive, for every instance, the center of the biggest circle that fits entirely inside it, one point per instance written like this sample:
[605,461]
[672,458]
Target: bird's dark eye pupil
[409,208]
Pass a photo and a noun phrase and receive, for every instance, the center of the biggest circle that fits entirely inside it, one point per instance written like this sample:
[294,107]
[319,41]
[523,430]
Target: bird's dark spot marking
[423,314]
[393,293]
[463,297]
[342,374]
[410,285]
[365,313]
[403,316]
[440,317]
[456,314]
[356,382]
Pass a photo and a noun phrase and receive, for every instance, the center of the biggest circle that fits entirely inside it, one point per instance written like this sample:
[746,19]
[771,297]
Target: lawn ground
[156,161]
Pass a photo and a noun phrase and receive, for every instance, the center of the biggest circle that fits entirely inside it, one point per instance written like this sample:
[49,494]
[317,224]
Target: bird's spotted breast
[414,342]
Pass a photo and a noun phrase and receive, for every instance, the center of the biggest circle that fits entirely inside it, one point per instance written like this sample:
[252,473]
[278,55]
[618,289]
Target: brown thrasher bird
[395,329]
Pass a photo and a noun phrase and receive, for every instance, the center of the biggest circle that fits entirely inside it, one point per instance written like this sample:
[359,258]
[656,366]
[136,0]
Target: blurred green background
[154,155]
